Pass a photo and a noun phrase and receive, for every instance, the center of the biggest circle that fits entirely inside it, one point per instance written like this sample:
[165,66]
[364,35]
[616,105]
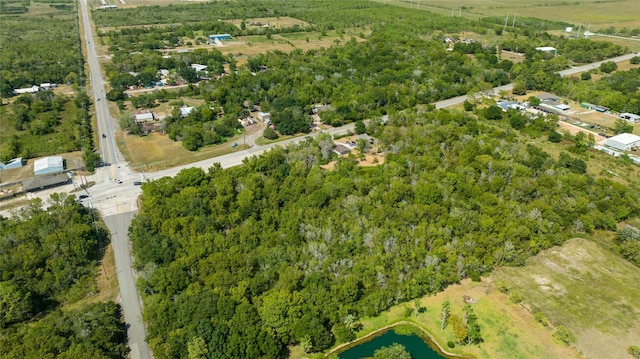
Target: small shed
[264,116]
[199,67]
[14,163]
[563,107]
[341,150]
[47,165]
[624,142]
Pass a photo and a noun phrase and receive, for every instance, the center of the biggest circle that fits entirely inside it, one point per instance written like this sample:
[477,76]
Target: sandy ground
[573,130]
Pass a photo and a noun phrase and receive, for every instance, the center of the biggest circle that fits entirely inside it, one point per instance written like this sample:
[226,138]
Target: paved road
[578,69]
[119,225]
[106,124]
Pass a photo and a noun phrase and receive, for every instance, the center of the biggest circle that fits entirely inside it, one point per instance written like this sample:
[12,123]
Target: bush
[635,60]
[493,112]
[564,335]
[634,351]
[270,134]
[451,344]
[608,67]
[555,137]
[468,106]
[585,76]
[540,318]
[515,297]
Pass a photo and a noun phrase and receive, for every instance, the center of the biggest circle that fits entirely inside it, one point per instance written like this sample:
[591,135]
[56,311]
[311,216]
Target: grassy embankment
[569,285]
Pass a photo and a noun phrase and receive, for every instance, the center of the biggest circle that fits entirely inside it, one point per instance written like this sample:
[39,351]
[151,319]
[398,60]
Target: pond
[413,343]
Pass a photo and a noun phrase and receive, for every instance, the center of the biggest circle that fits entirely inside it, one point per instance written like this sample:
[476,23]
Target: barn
[624,141]
[52,164]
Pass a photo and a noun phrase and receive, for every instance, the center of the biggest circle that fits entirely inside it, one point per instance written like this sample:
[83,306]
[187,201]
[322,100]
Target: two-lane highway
[118,224]
[106,125]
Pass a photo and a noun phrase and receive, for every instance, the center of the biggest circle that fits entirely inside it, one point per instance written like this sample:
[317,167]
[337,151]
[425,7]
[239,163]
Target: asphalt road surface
[106,125]
[119,225]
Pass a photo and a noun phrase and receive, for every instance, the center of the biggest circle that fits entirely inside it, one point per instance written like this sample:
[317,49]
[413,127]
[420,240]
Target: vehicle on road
[118,180]
[83,196]
[137,183]
[104,136]
[98,100]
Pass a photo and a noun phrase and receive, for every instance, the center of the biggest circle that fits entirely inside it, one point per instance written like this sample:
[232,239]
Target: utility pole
[514,21]
[460,12]
[505,23]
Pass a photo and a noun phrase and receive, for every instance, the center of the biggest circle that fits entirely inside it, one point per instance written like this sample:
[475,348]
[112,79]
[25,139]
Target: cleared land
[586,288]
[568,284]
[601,14]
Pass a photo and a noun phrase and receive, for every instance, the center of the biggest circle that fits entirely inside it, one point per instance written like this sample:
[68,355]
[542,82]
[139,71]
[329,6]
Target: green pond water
[413,343]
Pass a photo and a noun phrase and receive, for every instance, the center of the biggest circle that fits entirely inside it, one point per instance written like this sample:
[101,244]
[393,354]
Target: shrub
[269,133]
[515,297]
[635,60]
[634,351]
[585,76]
[555,137]
[564,335]
[451,344]
[540,318]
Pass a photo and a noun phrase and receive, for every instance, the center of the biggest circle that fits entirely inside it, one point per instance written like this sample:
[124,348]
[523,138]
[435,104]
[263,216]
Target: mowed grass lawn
[156,152]
[591,291]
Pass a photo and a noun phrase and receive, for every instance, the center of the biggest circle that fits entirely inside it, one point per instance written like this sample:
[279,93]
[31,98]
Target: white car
[118,180]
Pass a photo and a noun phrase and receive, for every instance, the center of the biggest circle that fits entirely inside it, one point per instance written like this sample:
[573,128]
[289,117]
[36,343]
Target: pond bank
[428,338]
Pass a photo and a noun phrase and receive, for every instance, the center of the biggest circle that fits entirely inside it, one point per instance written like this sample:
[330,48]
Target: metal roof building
[52,164]
[624,141]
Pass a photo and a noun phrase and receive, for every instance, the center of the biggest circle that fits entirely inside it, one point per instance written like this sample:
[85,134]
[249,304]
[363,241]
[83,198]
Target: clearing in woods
[588,289]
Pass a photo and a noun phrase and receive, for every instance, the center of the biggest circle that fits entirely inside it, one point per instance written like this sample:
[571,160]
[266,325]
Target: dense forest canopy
[48,258]
[280,250]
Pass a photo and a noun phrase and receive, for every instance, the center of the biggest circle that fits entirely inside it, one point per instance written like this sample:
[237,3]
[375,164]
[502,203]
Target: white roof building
[185,111]
[624,141]
[31,89]
[199,67]
[143,117]
[47,165]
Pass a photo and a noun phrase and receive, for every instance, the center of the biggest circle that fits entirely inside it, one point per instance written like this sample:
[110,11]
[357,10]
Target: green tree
[460,330]
[269,133]
[445,314]
[197,348]
[608,67]
[128,123]
[533,101]
[622,126]
[394,351]
[493,112]
[468,106]
[634,351]
[15,304]
[360,128]
[585,76]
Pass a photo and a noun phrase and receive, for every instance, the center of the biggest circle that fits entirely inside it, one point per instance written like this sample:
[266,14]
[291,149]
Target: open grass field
[571,287]
[157,152]
[600,14]
[586,288]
